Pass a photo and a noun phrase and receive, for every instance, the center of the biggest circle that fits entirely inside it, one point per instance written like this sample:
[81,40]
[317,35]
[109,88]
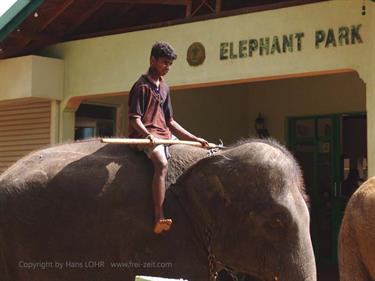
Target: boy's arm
[138,125]
[180,132]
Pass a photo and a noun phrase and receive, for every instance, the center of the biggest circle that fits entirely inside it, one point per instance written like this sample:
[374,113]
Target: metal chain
[219,147]
[233,274]
[211,257]
[208,241]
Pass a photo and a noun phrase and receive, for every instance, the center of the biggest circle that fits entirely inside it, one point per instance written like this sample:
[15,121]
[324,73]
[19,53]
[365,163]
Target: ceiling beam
[234,12]
[124,11]
[96,6]
[38,35]
[188,9]
[57,13]
[43,40]
[201,4]
[27,37]
[218,6]
[19,18]
[152,2]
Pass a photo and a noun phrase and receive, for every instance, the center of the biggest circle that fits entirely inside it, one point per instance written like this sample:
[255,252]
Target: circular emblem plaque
[196,54]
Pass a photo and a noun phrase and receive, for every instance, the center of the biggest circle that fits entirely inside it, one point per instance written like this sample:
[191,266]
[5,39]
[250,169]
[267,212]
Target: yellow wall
[112,63]
[15,78]
[328,94]
[213,113]
[47,78]
[31,77]
[229,112]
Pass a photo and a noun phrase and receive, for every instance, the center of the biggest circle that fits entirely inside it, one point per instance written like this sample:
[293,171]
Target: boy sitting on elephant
[151,117]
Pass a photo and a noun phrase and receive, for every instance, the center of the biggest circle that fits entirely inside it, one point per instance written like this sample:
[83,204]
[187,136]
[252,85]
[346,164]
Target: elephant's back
[63,193]
[84,178]
[78,158]
[361,205]
[76,179]
[81,201]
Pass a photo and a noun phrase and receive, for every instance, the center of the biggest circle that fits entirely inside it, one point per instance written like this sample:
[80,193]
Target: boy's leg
[160,163]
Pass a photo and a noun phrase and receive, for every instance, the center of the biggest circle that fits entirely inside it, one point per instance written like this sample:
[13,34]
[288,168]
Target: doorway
[329,148]
[94,121]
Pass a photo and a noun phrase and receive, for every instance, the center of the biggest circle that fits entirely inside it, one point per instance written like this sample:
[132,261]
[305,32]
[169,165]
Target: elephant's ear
[204,178]
[213,165]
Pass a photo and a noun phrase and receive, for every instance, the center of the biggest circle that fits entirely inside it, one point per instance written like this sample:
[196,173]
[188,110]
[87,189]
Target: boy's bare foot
[162,225]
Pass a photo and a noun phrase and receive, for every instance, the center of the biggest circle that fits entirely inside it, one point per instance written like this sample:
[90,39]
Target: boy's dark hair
[163,50]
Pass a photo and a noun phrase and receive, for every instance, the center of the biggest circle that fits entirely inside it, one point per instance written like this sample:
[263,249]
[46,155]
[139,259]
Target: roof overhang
[14,16]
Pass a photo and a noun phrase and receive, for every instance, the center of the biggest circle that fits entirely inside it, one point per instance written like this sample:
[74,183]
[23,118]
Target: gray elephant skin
[357,236]
[83,212]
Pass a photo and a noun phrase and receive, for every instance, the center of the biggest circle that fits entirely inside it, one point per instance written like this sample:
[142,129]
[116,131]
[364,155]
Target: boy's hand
[151,138]
[203,142]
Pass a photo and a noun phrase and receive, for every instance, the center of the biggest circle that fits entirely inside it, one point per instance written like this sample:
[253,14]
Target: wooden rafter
[201,4]
[37,35]
[124,11]
[96,6]
[155,2]
[191,19]
[188,9]
[218,6]
[27,38]
[65,4]
[47,40]
[32,37]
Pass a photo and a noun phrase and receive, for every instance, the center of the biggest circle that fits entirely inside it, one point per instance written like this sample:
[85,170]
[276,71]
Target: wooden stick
[157,141]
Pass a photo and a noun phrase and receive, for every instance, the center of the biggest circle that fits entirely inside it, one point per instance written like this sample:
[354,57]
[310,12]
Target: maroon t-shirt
[153,105]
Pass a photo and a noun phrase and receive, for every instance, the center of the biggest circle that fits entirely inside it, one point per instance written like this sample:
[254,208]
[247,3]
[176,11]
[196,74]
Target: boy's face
[161,65]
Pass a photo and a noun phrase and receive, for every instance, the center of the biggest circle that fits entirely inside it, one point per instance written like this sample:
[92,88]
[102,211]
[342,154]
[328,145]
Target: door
[354,153]
[315,142]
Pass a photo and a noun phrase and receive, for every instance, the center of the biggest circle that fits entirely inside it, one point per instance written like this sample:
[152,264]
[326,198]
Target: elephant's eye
[276,223]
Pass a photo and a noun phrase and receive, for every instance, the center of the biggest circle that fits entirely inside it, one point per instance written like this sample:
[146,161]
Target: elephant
[83,211]
[357,235]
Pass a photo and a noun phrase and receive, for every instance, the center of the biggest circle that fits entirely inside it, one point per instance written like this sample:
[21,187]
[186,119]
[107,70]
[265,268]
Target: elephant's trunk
[306,272]
[302,267]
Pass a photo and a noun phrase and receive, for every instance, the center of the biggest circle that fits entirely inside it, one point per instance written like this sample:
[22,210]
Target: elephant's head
[248,205]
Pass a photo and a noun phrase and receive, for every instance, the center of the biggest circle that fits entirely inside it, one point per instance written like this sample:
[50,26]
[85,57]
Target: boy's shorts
[148,150]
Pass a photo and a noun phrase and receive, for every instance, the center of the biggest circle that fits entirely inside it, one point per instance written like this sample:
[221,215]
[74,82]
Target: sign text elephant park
[288,43]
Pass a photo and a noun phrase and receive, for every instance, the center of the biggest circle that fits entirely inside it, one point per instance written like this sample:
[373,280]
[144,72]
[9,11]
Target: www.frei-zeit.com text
[71,265]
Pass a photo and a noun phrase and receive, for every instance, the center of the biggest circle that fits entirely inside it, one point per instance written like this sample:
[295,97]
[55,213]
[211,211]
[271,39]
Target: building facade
[308,70]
